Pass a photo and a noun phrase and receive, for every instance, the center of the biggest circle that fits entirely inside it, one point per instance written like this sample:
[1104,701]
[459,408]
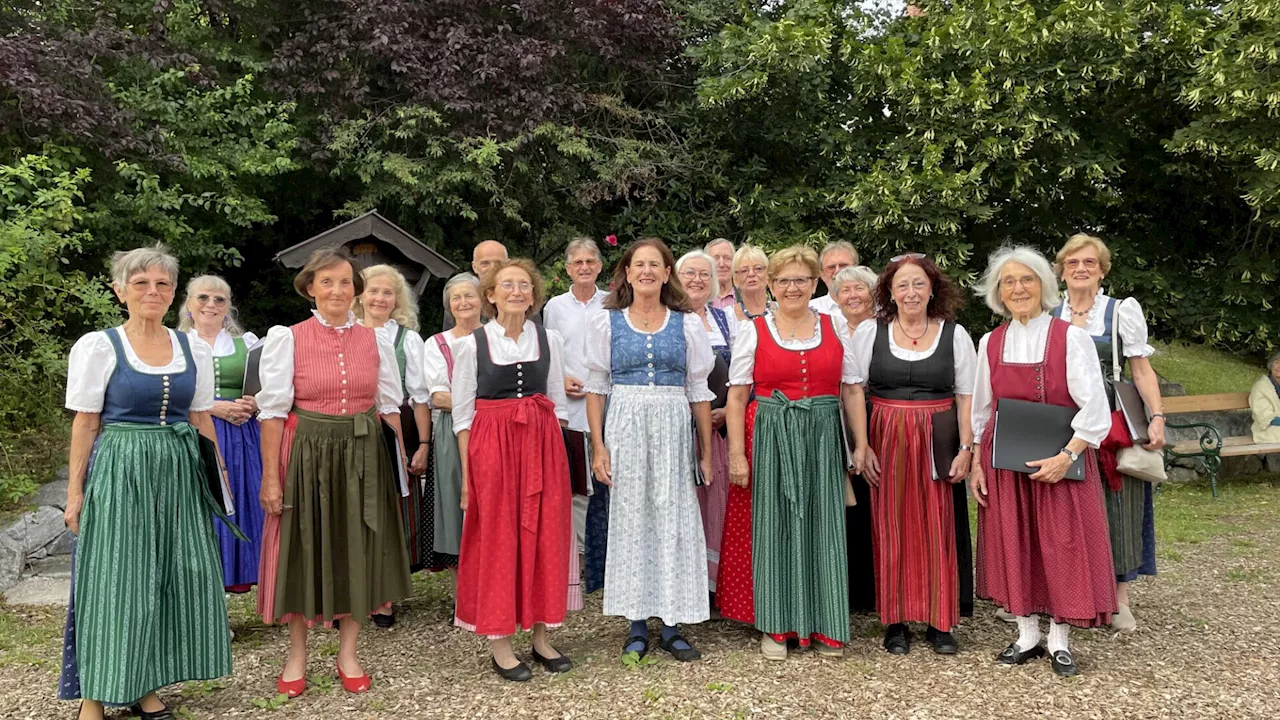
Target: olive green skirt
[342,546]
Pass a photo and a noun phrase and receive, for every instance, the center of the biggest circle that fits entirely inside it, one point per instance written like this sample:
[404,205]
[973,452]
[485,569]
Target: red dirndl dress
[735,588]
[513,567]
[1042,549]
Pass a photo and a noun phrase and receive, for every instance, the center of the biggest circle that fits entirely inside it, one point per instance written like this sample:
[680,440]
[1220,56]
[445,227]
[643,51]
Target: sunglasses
[907,256]
[218,300]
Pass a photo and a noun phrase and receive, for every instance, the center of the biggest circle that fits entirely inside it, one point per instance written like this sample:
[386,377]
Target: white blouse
[699,360]
[93,360]
[1131,323]
[715,336]
[825,305]
[965,358]
[225,343]
[275,372]
[435,369]
[504,351]
[414,381]
[1025,344]
[742,367]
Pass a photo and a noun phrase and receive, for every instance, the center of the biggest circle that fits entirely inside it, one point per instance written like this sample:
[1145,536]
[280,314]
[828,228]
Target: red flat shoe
[353,685]
[292,688]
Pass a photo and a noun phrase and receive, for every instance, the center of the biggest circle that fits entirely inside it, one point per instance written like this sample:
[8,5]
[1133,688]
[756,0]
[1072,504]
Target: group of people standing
[706,437]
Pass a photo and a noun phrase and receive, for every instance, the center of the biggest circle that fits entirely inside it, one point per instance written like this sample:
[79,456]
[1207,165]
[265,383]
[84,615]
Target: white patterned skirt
[657,553]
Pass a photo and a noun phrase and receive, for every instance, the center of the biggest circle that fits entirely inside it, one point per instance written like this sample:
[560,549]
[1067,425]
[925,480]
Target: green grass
[26,630]
[1204,370]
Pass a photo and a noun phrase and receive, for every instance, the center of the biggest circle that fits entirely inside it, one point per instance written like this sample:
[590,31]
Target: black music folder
[1027,431]
[252,382]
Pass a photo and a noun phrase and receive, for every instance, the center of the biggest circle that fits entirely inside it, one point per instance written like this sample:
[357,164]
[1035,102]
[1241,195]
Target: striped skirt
[147,606]
[798,473]
[657,552]
[713,500]
[338,549]
[913,516]
[1131,521]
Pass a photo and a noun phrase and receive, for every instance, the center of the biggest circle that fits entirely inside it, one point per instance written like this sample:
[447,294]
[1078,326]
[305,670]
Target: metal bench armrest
[1210,451]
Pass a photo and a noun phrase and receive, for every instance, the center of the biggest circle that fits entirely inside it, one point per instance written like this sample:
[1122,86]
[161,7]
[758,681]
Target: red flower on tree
[611,240]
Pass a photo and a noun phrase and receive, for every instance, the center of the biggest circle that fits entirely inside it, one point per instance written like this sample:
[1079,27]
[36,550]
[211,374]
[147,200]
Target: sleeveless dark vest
[933,378]
[517,380]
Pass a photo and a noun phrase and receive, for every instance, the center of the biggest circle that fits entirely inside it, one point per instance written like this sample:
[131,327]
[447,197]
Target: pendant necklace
[915,341]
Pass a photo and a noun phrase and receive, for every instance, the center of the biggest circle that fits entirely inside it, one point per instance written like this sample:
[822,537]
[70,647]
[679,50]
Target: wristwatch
[966,447]
[1074,456]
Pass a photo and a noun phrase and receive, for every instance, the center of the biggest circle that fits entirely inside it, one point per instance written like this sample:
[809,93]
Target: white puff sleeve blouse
[742,366]
[965,359]
[504,351]
[700,359]
[93,360]
[415,383]
[1025,344]
[275,372]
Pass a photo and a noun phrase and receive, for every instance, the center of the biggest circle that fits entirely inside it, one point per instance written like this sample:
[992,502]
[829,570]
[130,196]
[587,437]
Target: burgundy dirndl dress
[1042,549]
[517,532]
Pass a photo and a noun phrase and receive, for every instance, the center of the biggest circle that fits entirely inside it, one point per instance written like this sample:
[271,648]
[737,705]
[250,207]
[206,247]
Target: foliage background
[230,129]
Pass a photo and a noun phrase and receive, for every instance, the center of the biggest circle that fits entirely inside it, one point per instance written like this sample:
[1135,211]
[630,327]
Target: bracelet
[423,441]
[1157,415]
[966,447]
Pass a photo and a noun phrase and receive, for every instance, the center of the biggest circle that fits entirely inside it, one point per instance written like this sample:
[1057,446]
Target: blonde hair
[745,254]
[1078,242]
[801,254]
[405,312]
[229,322]
[490,281]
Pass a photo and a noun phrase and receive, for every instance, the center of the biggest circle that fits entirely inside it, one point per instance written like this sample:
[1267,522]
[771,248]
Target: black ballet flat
[897,639]
[384,621]
[553,665]
[163,714]
[632,641]
[1064,664]
[1012,656]
[944,643]
[688,654]
[519,673]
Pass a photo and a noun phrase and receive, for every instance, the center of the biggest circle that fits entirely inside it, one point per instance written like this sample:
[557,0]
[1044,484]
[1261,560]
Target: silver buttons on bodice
[164,401]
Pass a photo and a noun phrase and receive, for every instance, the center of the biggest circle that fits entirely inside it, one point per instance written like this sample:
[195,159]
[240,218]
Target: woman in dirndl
[854,291]
[650,355]
[800,363]
[1043,546]
[462,298]
[1082,263]
[918,366]
[387,306]
[147,607]
[333,544]
[209,316]
[697,273]
[509,405]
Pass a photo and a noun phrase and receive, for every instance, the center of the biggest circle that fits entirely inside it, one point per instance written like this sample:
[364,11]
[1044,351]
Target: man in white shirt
[835,257]
[567,314]
[721,251]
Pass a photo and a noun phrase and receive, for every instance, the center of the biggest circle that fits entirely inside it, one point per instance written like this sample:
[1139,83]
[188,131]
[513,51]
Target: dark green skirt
[342,547]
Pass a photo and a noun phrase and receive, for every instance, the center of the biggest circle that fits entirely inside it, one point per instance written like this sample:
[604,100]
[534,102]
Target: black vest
[517,380]
[933,378]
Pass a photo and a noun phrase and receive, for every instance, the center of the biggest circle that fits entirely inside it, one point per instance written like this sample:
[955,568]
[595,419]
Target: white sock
[1058,637]
[1028,632]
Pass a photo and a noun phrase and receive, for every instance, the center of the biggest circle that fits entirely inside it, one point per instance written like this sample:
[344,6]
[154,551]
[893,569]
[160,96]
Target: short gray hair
[838,245]
[707,248]
[230,322]
[127,263]
[581,243]
[1272,361]
[711,265]
[456,280]
[856,274]
[989,286]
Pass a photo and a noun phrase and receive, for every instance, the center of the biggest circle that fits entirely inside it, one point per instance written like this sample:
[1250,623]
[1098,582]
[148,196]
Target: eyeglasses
[753,270]
[1087,263]
[509,285]
[907,256]
[796,282]
[836,267]
[161,286]
[218,300]
[584,262]
[695,274]
[1025,281]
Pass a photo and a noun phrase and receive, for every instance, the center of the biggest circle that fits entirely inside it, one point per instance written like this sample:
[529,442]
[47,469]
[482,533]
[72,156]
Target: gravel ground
[1205,648]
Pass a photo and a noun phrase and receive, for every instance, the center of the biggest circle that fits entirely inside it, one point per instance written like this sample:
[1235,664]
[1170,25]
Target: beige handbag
[1137,461]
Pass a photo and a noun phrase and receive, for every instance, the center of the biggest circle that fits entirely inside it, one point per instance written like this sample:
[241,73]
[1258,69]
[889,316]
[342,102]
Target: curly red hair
[947,299]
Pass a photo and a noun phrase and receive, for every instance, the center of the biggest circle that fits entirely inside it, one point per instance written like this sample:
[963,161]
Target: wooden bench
[1211,447]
